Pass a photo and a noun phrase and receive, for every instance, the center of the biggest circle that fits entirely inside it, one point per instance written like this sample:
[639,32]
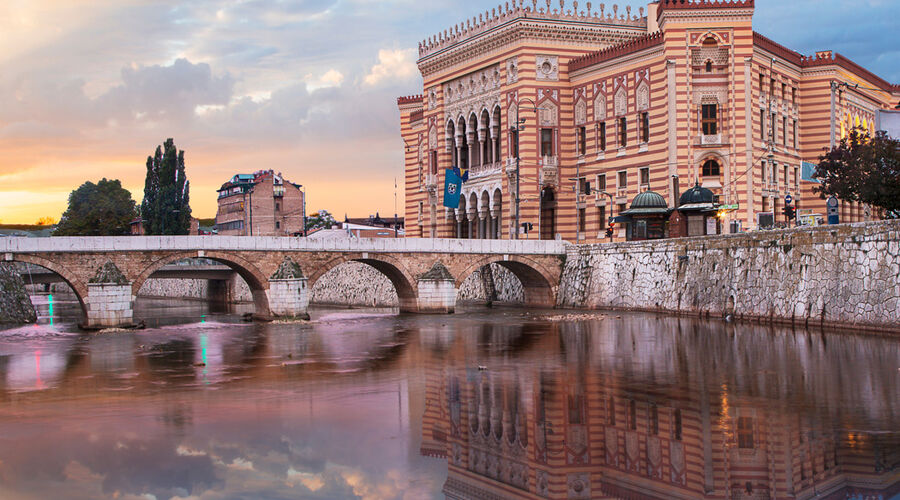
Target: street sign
[788,199]
[833,213]
[729,207]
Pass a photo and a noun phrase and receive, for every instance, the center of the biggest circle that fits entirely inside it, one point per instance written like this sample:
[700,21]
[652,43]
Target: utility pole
[520,128]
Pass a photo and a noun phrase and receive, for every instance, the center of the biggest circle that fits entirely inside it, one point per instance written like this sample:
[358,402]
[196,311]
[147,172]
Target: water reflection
[651,407]
[483,404]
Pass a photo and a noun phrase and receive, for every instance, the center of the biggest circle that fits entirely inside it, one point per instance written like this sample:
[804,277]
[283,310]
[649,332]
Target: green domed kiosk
[647,217]
[696,215]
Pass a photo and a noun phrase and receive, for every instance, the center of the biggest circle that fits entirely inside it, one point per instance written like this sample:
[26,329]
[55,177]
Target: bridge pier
[109,305]
[436,291]
[289,298]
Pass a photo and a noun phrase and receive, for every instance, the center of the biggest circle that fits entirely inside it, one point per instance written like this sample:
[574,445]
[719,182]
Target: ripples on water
[500,403]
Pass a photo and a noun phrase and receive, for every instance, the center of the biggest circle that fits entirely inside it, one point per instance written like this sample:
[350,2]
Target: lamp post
[611,206]
[519,128]
[303,210]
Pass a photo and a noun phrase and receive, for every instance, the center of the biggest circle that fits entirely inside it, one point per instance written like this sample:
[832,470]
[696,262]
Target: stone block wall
[109,305]
[436,296]
[844,275]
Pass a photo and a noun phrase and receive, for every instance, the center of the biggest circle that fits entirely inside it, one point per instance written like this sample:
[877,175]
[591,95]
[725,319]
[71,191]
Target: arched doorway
[548,214]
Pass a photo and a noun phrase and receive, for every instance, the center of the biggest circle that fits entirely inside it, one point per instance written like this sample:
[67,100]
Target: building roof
[647,203]
[696,194]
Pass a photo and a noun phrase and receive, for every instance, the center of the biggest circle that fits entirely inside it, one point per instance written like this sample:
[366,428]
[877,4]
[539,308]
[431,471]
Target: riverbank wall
[834,276]
[352,284]
[15,306]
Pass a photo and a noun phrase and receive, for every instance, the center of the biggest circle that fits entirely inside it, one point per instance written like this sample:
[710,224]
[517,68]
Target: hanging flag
[463,175]
[452,188]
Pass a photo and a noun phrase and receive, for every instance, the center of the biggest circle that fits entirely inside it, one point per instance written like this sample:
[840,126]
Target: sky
[89,88]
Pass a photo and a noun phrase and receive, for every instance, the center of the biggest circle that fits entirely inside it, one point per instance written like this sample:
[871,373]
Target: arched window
[711,168]
[709,66]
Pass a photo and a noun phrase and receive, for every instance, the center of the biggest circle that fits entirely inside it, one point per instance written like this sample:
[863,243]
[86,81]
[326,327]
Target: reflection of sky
[34,370]
[239,411]
[265,441]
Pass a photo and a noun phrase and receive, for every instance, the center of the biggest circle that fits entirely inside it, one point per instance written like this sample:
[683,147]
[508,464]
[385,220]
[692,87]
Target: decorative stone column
[288,291]
[109,301]
[436,291]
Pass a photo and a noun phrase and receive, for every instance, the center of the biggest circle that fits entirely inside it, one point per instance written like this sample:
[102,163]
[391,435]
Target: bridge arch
[404,282]
[256,280]
[538,282]
[78,287]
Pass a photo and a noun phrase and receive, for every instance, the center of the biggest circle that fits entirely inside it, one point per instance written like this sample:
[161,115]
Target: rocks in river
[15,306]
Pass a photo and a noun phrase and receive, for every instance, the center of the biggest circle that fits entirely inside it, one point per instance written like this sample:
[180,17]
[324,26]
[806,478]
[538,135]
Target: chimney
[652,24]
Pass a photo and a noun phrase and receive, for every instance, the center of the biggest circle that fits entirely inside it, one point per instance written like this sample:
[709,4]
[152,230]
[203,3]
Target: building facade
[613,103]
[260,204]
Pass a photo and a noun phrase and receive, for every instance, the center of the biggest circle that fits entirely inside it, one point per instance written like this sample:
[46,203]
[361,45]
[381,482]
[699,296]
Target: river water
[485,403]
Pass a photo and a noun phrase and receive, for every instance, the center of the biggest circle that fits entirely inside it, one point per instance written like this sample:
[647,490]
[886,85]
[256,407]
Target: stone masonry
[843,275]
[537,265]
[14,304]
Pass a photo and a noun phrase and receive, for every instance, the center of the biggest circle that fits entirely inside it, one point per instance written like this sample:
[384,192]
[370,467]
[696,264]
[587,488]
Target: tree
[45,221]
[321,220]
[102,209]
[864,169]
[166,208]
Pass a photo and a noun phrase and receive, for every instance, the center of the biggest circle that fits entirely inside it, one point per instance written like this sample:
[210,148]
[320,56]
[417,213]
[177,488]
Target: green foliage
[321,220]
[166,208]
[102,209]
[864,169]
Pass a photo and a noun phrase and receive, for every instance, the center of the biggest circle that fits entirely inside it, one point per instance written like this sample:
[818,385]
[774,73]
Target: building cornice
[521,31]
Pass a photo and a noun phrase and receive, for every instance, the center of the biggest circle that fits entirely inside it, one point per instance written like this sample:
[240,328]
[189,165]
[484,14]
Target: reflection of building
[260,204]
[567,429]
[685,93]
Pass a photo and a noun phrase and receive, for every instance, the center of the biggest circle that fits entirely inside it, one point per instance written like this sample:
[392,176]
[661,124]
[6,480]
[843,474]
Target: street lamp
[303,210]
[519,128]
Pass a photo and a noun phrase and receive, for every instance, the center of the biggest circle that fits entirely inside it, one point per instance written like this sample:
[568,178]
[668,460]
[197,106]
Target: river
[484,403]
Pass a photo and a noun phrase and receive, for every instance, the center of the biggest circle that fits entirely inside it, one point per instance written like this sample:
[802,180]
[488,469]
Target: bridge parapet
[272,243]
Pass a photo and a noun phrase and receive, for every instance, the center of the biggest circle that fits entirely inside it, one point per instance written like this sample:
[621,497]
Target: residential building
[613,103]
[260,204]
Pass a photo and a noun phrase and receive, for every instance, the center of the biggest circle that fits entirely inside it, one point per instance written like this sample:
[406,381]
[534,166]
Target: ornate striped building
[614,102]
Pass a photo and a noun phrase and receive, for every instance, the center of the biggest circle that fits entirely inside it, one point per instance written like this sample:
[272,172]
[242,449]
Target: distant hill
[26,230]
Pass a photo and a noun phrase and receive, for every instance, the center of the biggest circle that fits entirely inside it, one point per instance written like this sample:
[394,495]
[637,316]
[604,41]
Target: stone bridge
[106,273]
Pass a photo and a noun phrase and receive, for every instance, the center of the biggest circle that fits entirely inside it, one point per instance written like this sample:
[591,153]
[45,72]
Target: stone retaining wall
[844,275]
[350,284]
[15,307]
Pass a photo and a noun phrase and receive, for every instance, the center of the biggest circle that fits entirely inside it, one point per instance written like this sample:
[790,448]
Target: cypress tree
[166,206]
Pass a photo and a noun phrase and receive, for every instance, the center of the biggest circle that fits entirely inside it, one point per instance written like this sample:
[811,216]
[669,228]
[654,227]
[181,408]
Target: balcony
[430,181]
[549,171]
[710,140]
[487,169]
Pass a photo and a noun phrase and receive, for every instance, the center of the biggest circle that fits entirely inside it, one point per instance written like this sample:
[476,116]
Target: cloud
[396,65]
[165,92]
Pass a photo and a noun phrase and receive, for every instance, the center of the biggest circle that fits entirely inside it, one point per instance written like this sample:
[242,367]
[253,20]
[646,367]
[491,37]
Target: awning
[696,206]
[621,218]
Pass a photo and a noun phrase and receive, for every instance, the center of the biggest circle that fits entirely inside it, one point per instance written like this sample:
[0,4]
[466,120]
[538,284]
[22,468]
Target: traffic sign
[788,199]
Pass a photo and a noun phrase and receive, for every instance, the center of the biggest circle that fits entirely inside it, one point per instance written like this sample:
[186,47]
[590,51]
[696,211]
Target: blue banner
[464,175]
[452,188]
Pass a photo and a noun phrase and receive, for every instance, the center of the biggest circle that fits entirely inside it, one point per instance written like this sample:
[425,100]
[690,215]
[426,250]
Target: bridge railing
[272,243]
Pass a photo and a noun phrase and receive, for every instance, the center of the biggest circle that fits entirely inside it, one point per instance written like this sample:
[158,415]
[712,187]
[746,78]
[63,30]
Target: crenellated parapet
[631,46]
[510,11]
[703,4]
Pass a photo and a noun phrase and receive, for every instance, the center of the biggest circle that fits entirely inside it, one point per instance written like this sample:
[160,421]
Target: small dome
[696,194]
[649,199]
